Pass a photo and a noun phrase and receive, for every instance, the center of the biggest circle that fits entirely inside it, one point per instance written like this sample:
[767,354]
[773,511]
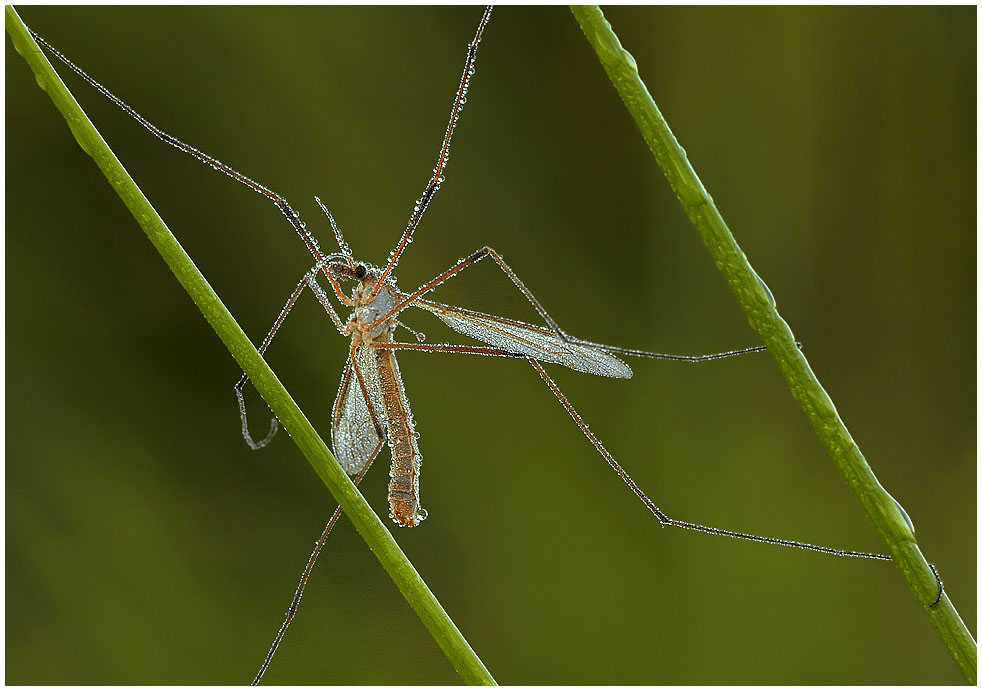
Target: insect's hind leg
[291,611]
[309,280]
[662,517]
[665,519]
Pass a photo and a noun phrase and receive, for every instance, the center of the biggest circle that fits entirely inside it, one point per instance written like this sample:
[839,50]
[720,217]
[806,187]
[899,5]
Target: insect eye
[360,271]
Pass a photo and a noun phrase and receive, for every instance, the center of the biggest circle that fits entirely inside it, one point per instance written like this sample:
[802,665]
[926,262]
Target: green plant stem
[374,532]
[887,516]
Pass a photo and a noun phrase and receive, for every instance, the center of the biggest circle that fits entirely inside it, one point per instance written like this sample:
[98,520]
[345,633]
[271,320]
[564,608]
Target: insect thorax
[366,313]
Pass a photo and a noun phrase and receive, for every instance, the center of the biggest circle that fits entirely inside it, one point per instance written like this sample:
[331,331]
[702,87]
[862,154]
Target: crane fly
[371,407]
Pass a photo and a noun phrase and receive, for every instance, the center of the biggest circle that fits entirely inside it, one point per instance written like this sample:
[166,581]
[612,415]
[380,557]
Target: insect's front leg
[309,280]
[434,183]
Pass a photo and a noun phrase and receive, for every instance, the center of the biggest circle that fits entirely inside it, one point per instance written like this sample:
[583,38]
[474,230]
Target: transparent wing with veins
[529,340]
[355,431]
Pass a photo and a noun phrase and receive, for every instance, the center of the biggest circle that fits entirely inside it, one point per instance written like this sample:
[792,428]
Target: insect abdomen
[404,506]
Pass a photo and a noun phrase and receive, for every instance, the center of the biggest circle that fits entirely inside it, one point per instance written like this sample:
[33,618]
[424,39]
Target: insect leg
[360,376]
[487,251]
[309,280]
[448,348]
[662,517]
[434,183]
[291,215]
[291,611]
[463,264]
[665,519]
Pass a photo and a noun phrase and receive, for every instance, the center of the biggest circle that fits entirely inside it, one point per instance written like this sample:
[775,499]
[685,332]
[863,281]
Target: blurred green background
[147,544]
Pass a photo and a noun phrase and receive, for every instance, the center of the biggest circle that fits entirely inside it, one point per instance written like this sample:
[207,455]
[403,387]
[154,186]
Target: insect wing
[355,433]
[527,339]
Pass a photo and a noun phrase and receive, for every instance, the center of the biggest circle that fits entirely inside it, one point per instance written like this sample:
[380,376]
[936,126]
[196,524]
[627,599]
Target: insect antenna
[345,250]
[441,162]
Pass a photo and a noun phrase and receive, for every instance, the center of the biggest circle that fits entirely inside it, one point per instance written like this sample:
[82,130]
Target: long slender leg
[305,575]
[291,611]
[364,392]
[510,273]
[660,515]
[434,183]
[665,519]
[309,280]
[292,216]
[460,266]
[448,348]
[500,352]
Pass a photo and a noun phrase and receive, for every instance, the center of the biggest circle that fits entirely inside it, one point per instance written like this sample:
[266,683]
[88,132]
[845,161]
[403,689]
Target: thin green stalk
[374,532]
[887,516]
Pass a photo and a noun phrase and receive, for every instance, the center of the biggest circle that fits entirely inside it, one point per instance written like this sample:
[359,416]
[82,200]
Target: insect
[446,314]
